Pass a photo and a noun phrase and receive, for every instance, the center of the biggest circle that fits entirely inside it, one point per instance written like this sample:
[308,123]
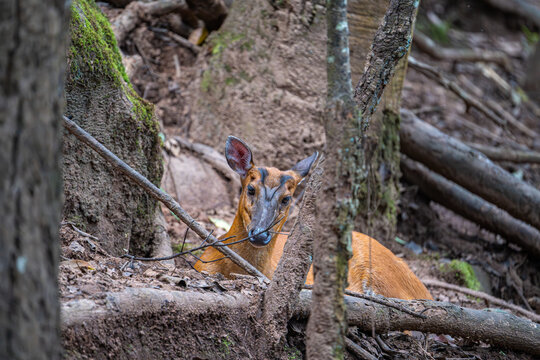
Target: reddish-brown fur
[390,276]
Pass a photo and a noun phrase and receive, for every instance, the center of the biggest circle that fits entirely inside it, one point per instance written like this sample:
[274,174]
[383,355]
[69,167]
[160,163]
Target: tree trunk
[31,80]
[133,309]
[264,81]
[377,218]
[102,101]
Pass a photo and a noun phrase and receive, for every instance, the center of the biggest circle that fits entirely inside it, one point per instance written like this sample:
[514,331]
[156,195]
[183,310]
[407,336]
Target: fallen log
[471,206]
[134,12]
[468,168]
[506,154]
[488,298]
[501,329]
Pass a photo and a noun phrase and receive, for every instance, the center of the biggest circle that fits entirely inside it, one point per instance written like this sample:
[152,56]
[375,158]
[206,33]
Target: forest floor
[429,236]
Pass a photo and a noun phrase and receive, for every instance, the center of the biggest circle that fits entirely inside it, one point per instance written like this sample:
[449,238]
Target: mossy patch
[463,273]
[94,56]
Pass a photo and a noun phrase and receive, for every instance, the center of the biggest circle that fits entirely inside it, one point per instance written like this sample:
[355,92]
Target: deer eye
[250,190]
[285,200]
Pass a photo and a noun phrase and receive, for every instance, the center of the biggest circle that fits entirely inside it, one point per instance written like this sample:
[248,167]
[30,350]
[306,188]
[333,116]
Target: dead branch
[491,300]
[522,8]
[469,99]
[184,42]
[136,11]
[159,195]
[471,206]
[438,52]
[499,328]
[506,154]
[357,350]
[468,168]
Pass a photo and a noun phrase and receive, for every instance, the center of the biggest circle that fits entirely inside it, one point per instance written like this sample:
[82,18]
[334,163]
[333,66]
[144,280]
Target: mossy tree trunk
[381,190]
[101,100]
[32,63]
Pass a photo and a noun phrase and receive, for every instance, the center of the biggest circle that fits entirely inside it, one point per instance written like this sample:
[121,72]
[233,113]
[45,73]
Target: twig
[357,350]
[377,300]
[469,99]
[506,154]
[441,53]
[185,43]
[481,295]
[160,195]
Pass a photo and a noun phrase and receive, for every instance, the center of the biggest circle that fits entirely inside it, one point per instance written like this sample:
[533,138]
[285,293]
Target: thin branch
[490,299]
[358,351]
[436,51]
[506,154]
[159,195]
[468,98]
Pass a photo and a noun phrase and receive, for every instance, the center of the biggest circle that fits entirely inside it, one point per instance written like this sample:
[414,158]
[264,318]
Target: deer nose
[259,237]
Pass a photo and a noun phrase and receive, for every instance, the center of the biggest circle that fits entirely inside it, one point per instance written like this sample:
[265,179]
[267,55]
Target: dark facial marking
[284,179]
[264,174]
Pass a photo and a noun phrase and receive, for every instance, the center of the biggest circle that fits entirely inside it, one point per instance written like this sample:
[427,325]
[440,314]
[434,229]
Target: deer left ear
[303,166]
[238,155]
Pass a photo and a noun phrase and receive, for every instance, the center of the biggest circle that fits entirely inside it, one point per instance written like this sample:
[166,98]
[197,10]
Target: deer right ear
[238,155]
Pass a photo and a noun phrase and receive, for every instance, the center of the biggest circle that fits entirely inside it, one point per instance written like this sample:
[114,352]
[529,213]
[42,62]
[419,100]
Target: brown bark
[80,317]
[345,167]
[469,168]
[471,206]
[101,99]
[490,300]
[377,217]
[32,64]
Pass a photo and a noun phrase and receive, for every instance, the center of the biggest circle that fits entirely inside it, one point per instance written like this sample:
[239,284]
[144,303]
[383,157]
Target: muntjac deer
[262,211]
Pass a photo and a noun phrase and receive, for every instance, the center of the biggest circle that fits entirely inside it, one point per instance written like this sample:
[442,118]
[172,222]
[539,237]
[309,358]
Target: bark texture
[469,168]
[471,206]
[345,165]
[102,101]
[100,320]
[32,67]
[382,137]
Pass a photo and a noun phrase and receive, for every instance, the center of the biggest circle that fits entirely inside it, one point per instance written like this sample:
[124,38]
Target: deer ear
[303,166]
[238,155]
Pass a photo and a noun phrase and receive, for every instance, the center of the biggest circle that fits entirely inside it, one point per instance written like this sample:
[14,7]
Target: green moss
[206,81]
[93,47]
[225,345]
[463,272]
[292,353]
[94,56]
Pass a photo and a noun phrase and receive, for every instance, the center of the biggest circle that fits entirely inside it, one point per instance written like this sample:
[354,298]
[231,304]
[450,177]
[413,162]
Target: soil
[433,234]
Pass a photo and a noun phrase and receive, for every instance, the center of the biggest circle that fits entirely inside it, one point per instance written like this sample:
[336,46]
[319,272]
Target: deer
[263,208]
